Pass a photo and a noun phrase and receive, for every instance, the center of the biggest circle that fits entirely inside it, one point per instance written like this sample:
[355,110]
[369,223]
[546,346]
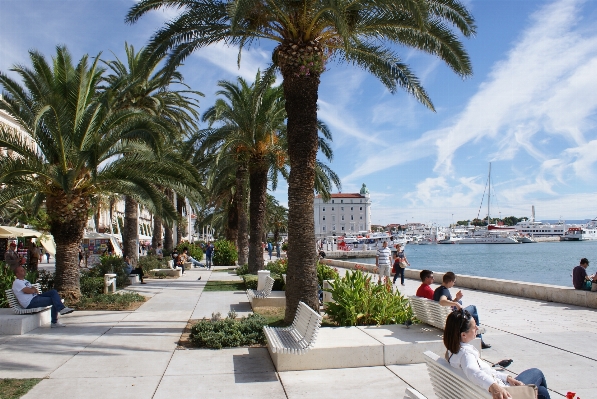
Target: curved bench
[429,311]
[451,383]
[16,306]
[299,337]
[265,292]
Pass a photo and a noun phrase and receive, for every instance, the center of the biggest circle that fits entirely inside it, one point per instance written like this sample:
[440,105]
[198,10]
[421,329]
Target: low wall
[350,254]
[542,292]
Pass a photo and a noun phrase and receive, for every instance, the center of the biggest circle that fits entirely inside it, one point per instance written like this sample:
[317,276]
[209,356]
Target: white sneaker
[57,324]
[66,310]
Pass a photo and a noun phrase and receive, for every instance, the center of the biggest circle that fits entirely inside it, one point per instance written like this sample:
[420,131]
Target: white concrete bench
[299,337]
[411,393]
[429,311]
[16,306]
[109,280]
[265,292]
[451,383]
[134,279]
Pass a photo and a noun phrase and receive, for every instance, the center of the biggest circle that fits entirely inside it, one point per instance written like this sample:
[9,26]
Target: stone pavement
[134,355]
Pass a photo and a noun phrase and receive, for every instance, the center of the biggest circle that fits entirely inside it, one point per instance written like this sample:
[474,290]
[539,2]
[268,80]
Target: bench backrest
[429,311]
[449,382]
[269,284]
[171,263]
[411,393]
[306,322]
[12,299]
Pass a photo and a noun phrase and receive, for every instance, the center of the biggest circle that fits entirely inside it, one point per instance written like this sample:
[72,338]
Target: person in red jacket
[425,291]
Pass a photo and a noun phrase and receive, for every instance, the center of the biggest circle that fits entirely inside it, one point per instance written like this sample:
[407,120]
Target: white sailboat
[489,236]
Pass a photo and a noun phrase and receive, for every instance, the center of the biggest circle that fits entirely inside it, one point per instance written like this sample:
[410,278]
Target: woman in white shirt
[460,330]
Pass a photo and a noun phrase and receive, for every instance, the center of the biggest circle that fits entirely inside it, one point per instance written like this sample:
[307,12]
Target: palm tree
[72,150]
[142,82]
[251,133]
[309,34]
[277,218]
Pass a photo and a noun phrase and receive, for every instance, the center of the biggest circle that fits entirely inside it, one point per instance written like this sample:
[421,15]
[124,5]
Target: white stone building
[343,214]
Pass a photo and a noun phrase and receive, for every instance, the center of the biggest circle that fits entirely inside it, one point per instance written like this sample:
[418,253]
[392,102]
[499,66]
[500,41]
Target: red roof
[342,195]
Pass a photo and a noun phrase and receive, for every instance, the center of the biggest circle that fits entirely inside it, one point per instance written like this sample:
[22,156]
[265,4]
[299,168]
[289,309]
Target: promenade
[134,354]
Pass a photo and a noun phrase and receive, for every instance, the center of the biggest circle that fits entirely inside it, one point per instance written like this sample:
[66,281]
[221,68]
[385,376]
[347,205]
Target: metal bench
[299,337]
[429,311]
[265,292]
[451,383]
[16,306]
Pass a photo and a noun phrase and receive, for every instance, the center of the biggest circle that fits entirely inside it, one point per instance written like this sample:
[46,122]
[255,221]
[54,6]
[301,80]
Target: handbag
[402,264]
[523,391]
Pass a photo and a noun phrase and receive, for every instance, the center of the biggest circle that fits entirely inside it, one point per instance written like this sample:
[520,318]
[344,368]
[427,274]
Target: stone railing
[542,292]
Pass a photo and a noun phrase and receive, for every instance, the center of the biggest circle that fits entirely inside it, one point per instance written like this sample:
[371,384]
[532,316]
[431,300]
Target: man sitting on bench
[30,298]
[443,296]
[425,290]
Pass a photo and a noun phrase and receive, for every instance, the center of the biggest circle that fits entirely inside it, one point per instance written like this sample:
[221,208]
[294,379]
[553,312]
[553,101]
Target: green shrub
[193,250]
[325,272]
[46,279]
[6,279]
[111,264]
[242,270]
[227,333]
[250,281]
[285,246]
[91,286]
[109,301]
[279,266]
[150,262]
[358,301]
[224,253]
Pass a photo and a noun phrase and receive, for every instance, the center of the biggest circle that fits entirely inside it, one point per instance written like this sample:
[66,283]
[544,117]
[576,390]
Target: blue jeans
[208,260]
[195,262]
[46,299]
[535,376]
[399,272]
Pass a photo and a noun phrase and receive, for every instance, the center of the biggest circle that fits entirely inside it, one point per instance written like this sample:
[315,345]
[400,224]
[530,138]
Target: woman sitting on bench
[460,330]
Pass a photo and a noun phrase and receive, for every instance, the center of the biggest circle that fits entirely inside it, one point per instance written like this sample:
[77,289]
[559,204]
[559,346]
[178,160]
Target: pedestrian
[209,253]
[47,256]
[33,256]
[11,257]
[383,262]
[80,255]
[580,279]
[400,263]
[278,250]
[269,249]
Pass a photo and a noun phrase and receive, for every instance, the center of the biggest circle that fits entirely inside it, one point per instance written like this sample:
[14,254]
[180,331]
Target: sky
[529,109]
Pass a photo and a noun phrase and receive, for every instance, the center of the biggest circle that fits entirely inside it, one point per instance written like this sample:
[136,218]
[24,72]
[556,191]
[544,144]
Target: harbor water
[544,262]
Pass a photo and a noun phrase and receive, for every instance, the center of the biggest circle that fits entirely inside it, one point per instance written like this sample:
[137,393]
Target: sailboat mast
[489,196]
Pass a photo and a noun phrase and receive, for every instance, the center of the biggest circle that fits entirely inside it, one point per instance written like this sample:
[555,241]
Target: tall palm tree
[252,125]
[145,81]
[277,218]
[309,34]
[72,150]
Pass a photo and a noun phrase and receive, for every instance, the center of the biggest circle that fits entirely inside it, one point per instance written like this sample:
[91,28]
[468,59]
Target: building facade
[343,214]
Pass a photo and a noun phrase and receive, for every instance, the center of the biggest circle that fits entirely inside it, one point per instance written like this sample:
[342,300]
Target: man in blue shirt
[443,296]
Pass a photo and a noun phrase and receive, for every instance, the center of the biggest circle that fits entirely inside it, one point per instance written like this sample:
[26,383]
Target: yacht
[583,233]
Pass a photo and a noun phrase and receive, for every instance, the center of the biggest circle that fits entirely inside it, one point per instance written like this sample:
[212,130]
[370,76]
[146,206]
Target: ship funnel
[532,213]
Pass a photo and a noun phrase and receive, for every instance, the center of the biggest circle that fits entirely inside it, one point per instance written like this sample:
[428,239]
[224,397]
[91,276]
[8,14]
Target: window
[361,218]
[351,217]
[342,217]
[323,209]
[342,228]
[332,203]
[333,218]
[361,208]
[323,218]
[351,208]
[333,227]
[323,228]
[341,201]
[341,208]
[332,208]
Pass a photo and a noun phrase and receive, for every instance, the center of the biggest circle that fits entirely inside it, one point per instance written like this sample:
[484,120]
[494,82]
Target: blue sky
[530,108]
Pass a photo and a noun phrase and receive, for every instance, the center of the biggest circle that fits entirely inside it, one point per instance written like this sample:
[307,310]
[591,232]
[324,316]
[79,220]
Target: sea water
[542,262]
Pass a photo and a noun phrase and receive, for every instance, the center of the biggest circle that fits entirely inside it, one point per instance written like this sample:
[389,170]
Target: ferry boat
[581,233]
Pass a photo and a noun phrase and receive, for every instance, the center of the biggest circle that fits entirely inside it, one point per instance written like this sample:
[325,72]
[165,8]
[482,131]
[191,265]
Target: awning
[14,232]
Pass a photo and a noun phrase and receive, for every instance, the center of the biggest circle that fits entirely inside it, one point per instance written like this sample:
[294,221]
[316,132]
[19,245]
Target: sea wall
[542,292]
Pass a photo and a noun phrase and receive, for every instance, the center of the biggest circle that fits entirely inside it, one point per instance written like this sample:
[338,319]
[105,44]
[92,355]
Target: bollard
[261,275]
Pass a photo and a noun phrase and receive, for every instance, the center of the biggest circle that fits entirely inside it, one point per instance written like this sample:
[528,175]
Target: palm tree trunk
[96,216]
[243,223]
[180,206]
[232,222]
[301,107]
[156,238]
[67,218]
[130,233]
[257,205]
[168,243]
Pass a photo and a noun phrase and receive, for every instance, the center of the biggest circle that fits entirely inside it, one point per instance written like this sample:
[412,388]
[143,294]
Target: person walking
[47,256]
[278,250]
[209,253]
[400,263]
[269,249]
[383,260]
[11,257]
